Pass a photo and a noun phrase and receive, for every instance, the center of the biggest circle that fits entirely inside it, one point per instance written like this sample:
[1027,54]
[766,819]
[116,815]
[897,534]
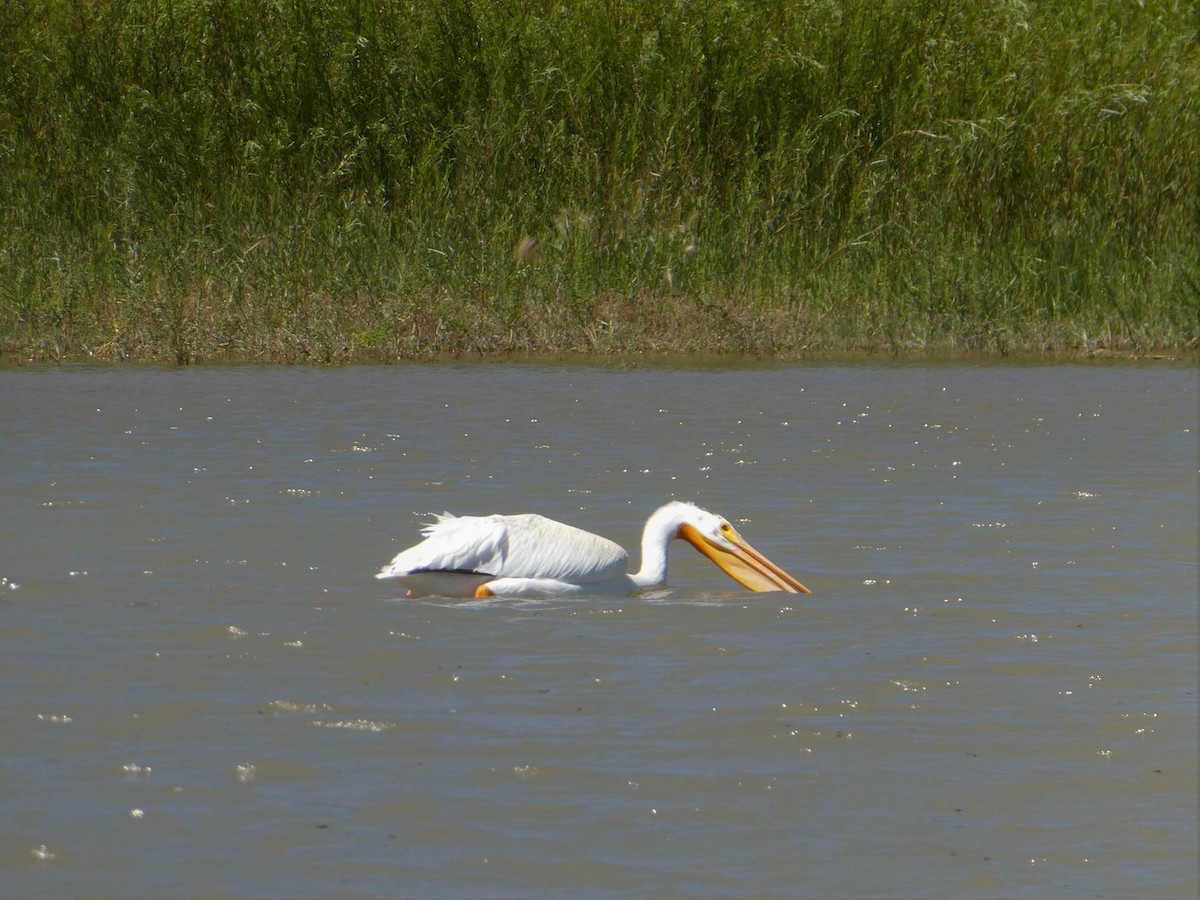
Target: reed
[333,180]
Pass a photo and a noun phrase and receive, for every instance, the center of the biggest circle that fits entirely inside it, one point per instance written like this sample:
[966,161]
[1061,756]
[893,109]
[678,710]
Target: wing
[527,546]
[538,547]
[452,544]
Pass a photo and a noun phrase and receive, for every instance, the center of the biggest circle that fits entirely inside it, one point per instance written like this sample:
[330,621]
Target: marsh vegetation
[334,180]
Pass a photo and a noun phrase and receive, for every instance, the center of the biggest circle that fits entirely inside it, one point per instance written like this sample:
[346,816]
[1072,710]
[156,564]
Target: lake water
[992,691]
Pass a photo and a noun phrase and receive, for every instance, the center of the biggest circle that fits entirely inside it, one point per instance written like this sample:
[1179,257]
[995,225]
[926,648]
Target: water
[992,691]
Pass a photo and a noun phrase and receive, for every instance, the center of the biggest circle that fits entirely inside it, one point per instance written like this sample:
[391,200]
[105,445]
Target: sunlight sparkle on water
[955,625]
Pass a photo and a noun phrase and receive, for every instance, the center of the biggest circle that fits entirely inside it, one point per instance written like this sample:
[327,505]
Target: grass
[336,180]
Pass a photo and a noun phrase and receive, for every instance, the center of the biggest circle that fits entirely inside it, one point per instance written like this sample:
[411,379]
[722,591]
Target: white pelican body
[488,556]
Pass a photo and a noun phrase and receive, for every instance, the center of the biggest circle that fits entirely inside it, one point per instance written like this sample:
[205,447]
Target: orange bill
[743,563]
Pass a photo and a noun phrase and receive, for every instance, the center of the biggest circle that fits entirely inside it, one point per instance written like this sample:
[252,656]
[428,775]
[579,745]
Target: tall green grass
[341,179]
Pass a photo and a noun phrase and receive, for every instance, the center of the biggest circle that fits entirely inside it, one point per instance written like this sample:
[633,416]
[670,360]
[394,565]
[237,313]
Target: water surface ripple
[992,691]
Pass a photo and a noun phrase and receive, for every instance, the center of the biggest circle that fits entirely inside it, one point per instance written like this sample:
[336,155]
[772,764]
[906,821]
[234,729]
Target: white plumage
[484,556]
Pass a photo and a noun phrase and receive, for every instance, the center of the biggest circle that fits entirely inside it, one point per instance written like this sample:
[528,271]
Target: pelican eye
[726,529]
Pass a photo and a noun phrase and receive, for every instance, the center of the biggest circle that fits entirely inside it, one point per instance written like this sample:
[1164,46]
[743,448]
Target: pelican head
[717,539]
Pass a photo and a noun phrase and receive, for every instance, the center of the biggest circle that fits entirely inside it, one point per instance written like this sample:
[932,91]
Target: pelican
[497,556]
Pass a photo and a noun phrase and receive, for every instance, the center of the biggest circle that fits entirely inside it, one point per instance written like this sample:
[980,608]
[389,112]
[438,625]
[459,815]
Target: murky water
[992,691]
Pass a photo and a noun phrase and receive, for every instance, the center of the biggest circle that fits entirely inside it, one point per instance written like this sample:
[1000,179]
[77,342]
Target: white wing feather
[452,544]
[526,546]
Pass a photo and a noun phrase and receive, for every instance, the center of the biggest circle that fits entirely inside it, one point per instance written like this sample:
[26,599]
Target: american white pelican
[489,556]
